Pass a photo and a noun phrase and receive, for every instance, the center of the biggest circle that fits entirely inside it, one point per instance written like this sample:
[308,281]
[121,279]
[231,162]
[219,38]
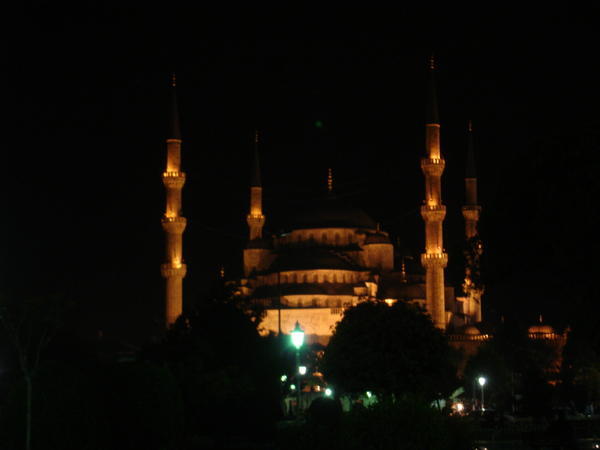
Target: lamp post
[482,381]
[297,341]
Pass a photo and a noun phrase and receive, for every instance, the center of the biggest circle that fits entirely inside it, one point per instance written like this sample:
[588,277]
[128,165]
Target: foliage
[29,324]
[514,365]
[492,364]
[388,350]
[472,254]
[581,366]
[227,373]
[406,424]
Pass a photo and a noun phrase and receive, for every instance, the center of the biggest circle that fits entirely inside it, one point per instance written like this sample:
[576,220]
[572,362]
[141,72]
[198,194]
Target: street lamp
[297,340]
[482,381]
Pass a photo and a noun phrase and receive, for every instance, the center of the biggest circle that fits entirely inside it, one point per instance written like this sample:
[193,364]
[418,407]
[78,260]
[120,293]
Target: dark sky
[83,193]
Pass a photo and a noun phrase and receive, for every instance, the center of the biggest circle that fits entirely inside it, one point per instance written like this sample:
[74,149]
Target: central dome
[331,212]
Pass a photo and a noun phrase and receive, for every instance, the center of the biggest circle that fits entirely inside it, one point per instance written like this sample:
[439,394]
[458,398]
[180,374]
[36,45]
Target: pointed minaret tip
[471,168]
[330,180]
[256,181]
[174,128]
[433,116]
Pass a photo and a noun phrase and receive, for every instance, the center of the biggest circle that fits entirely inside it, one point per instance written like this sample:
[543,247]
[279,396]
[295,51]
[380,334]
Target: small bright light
[481,381]
[460,407]
[302,370]
[283,378]
[297,336]
[328,392]
[369,394]
[292,387]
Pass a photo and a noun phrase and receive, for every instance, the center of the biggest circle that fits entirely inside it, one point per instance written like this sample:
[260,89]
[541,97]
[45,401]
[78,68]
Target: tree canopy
[389,350]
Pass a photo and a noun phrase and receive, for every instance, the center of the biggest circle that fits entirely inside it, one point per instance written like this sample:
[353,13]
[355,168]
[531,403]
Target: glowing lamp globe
[328,392]
[481,381]
[302,370]
[297,336]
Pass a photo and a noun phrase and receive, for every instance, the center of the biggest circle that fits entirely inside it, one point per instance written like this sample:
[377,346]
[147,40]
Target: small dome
[471,330]
[540,329]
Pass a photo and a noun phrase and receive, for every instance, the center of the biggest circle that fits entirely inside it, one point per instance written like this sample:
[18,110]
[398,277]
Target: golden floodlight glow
[390,301]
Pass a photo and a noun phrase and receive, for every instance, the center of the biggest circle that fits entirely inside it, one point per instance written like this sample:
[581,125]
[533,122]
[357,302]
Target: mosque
[334,256]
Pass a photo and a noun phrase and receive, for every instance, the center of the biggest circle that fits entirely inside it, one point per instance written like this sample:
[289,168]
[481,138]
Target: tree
[227,373]
[389,350]
[30,325]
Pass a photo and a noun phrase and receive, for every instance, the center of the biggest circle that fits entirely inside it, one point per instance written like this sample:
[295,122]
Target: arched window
[315,302]
[324,238]
[337,239]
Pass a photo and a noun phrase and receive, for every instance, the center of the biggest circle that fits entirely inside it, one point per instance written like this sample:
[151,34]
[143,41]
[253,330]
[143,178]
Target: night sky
[82,186]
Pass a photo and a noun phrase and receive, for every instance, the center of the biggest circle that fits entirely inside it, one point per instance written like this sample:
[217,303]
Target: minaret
[471,211]
[173,270]
[257,251]
[255,218]
[434,260]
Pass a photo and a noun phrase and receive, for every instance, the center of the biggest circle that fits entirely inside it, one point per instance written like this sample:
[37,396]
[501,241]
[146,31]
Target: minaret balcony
[433,166]
[173,180]
[471,212]
[174,225]
[433,213]
[434,259]
[169,270]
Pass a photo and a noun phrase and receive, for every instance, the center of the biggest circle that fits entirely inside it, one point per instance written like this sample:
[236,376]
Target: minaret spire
[255,218]
[434,260]
[471,211]
[330,181]
[174,128]
[257,249]
[173,223]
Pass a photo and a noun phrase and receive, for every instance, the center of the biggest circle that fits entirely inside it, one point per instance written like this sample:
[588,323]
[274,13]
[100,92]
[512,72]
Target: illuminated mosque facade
[335,256]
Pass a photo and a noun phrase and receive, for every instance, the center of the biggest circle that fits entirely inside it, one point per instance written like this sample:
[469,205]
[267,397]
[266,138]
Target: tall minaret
[471,211]
[257,250]
[434,260]
[173,270]
[255,218]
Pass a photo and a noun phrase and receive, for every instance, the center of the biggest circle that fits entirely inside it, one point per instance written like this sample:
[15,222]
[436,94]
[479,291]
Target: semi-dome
[331,213]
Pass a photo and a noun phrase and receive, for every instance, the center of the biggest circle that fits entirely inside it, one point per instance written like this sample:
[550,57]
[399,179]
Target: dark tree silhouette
[30,324]
[389,350]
